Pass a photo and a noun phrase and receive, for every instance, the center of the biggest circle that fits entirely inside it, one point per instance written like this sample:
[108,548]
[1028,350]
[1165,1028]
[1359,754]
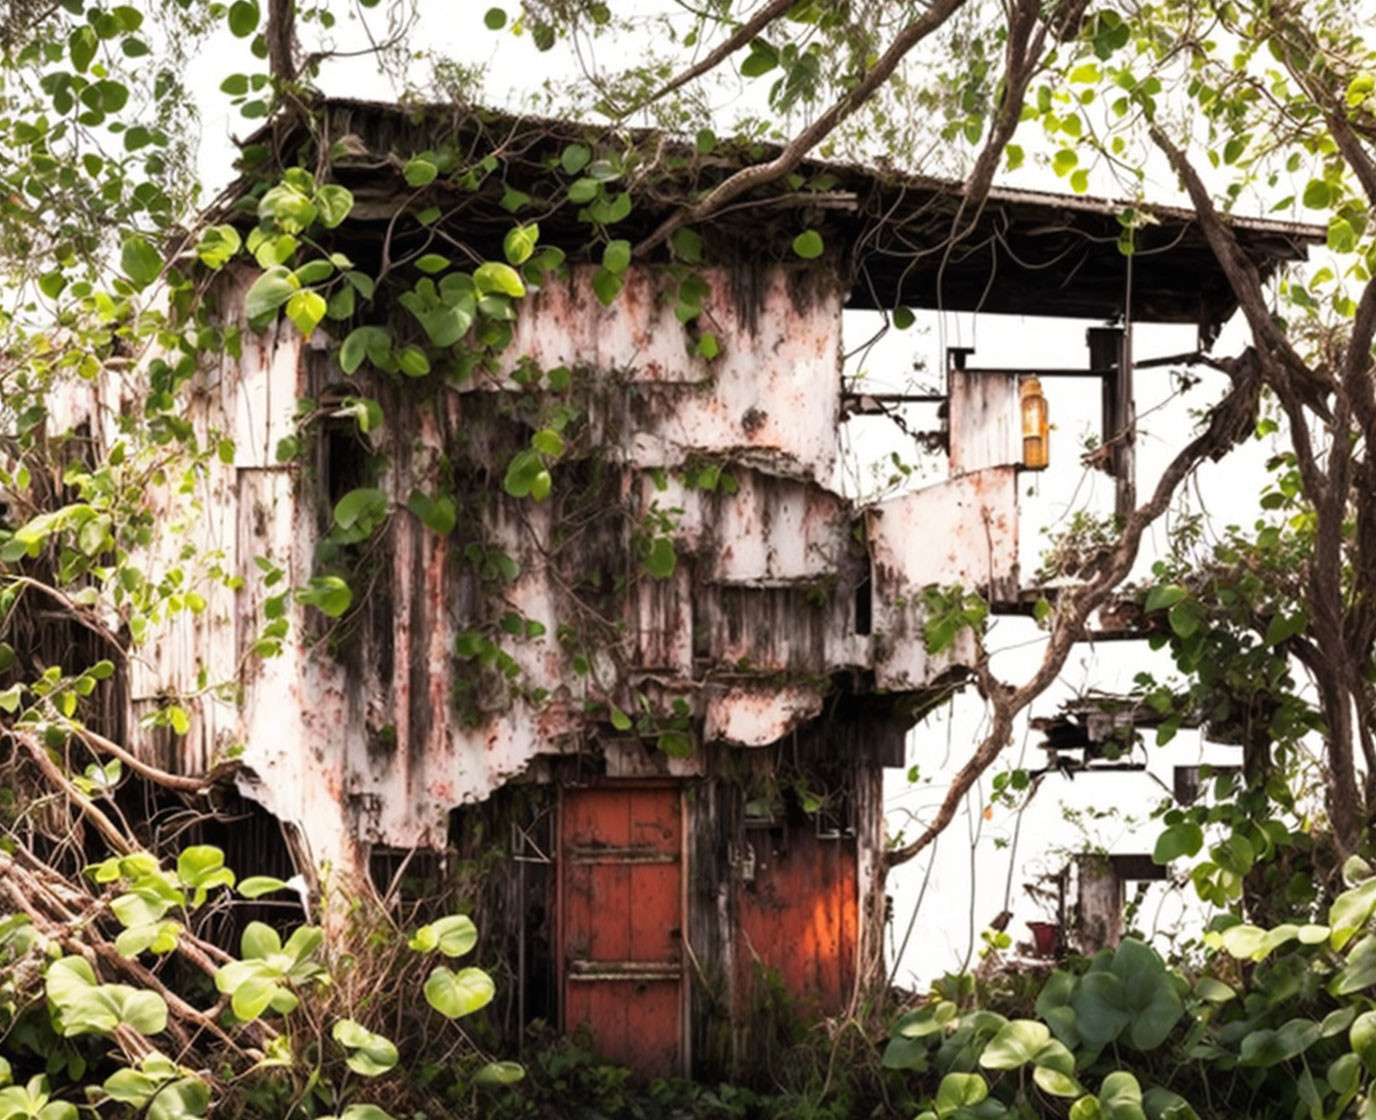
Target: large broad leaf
[445,325]
[301,946]
[1162,1104]
[1360,971]
[183,1099]
[362,509]
[140,261]
[202,867]
[1149,993]
[269,292]
[257,885]
[1053,1006]
[925,1021]
[85,1006]
[905,1053]
[1183,838]
[1087,1108]
[499,1073]
[1055,1082]
[453,936]
[437,514]
[961,1049]
[259,940]
[1100,1006]
[1120,1096]
[1269,1048]
[1362,1036]
[1016,1044]
[368,1053]
[333,203]
[252,986]
[1055,1055]
[959,1089]
[494,276]
[373,343]
[1350,912]
[1244,941]
[455,994]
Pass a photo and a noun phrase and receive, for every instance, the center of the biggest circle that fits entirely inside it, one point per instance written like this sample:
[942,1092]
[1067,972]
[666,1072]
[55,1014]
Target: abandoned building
[660,699]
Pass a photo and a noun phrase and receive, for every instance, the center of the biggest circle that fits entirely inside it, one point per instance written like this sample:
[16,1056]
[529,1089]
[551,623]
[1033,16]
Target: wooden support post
[1098,908]
[1110,349]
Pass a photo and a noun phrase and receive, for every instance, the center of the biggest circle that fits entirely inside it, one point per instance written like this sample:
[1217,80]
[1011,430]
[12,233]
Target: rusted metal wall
[365,746]
[371,730]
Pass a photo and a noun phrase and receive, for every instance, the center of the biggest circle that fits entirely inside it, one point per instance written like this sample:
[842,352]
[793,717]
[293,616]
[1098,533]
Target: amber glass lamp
[1036,451]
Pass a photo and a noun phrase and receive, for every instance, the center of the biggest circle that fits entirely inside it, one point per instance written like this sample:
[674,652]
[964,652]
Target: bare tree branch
[1231,421]
[742,35]
[760,174]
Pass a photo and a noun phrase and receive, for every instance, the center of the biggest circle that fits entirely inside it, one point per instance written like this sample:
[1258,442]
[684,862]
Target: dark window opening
[864,606]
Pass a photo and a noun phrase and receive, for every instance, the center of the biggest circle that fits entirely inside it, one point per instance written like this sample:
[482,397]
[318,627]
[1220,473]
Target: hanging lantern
[1036,451]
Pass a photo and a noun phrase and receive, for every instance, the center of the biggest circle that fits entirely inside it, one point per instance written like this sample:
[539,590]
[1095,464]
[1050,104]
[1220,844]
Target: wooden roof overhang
[889,232]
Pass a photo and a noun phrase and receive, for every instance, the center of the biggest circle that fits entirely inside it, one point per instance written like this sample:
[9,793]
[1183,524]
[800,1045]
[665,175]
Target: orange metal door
[621,906]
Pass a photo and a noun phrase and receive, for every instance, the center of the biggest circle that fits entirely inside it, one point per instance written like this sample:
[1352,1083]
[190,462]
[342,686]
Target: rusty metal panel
[621,920]
[661,623]
[263,385]
[773,629]
[775,530]
[963,531]
[799,919]
[771,397]
[755,715]
[985,420]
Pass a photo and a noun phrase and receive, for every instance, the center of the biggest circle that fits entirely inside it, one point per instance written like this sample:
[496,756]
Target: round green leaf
[140,261]
[1183,838]
[363,1112]
[269,292]
[1055,1082]
[548,441]
[257,885]
[456,994]
[243,18]
[495,276]
[331,595]
[808,245]
[958,1090]
[419,172]
[411,360]
[661,559]
[305,309]
[616,257]
[369,1054]
[1362,1036]
[1016,1044]
[499,1073]
[519,243]
[333,204]
[363,509]
[574,158]
[436,514]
